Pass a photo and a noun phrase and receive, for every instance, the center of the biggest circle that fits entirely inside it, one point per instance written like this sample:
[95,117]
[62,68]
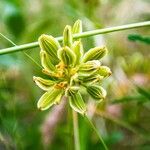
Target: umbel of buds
[69,69]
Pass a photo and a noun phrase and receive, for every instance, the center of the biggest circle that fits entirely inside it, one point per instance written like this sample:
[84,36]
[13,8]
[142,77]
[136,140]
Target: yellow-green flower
[68,70]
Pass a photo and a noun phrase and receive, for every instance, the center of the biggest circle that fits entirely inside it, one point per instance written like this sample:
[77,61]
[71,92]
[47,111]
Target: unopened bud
[44,84]
[50,98]
[50,45]
[67,56]
[78,50]
[77,27]
[77,103]
[67,36]
[89,67]
[93,78]
[104,71]
[95,54]
[96,92]
[46,61]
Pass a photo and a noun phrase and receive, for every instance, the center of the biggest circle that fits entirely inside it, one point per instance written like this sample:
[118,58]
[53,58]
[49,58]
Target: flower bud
[96,92]
[93,78]
[67,56]
[78,50]
[50,45]
[43,83]
[53,96]
[77,27]
[77,103]
[67,36]
[46,61]
[94,54]
[89,67]
[104,71]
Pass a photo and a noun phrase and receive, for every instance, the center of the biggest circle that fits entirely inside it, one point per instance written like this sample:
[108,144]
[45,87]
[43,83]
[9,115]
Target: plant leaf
[143,92]
[139,38]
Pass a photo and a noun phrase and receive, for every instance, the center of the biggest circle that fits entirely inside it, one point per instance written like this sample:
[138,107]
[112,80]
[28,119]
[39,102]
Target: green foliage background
[122,119]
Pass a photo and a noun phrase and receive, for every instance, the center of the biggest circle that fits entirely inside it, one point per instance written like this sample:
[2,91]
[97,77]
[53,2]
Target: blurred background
[122,119]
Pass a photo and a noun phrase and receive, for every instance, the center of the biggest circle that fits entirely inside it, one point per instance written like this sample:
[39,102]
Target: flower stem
[98,134]
[76,130]
[81,35]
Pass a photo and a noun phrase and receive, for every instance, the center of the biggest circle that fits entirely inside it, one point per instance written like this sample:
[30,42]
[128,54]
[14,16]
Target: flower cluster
[69,69]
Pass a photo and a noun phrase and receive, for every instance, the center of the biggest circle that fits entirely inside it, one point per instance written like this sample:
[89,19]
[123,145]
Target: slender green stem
[98,134]
[81,35]
[69,128]
[76,130]
[10,41]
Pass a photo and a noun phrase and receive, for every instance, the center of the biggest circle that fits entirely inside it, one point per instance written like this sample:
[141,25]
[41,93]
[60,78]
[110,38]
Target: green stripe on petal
[95,54]
[90,78]
[89,67]
[43,83]
[77,27]
[77,103]
[71,90]
[67,56]
[46,61]
[53,96]
[67,36]
[50,45]
[104,71]
[96,92]
[78,50]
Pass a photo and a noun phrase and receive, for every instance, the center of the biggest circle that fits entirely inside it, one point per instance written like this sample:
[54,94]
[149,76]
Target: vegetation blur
[122,118]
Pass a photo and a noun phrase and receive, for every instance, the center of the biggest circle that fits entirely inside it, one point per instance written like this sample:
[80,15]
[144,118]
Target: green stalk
[98,134]
[10,41]
[75,36]
[69,128]
[76,130]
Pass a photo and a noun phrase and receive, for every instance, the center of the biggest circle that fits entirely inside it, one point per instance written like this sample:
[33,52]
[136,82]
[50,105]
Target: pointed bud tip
[67,26]
[45,37]
[34,78]
[42,37]
[78,20]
